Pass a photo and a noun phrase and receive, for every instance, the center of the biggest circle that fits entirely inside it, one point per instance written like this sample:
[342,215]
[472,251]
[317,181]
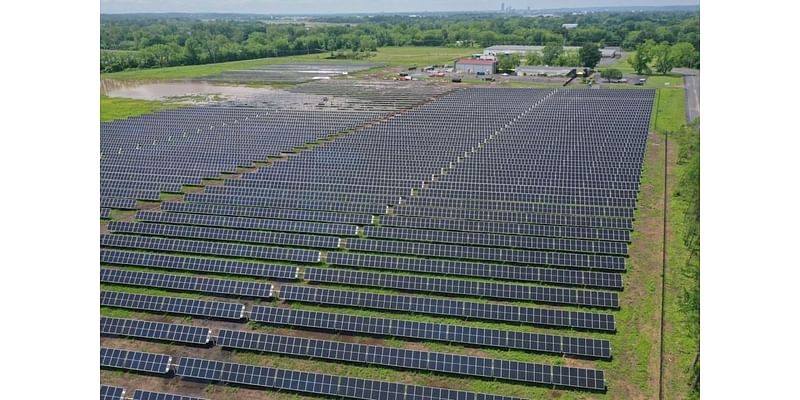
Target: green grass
[113,108]
[669,110]
[682,329]
[391,56]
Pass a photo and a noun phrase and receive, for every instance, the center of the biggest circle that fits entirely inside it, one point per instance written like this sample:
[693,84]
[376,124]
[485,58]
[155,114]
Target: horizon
[308,7]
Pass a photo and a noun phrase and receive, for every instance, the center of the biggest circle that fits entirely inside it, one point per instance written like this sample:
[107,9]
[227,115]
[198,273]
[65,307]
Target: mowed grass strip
[114,108]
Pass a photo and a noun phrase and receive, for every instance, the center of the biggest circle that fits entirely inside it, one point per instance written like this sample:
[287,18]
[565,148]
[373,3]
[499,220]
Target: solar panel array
[540,294]
[410,359]
[135,360]
[222,287]
[321,384]
[111,392]
[145,155]
[174,305]
[584,347]
[154,330]
[518,196]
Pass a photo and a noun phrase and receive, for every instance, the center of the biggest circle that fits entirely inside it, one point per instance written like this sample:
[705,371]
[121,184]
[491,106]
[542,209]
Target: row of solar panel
[570,260]
[210,248]
[259,212]
[206,265]
[519,207]
[344,187]
[524,186]
[118,393]
[510,228]
[597,279]
[451,308]
[337,322]
[538,294]
[326,349]
[555,199]
[498,240]
[248,223]
[401,358]
[336,386]
[434,306]
[331,385]
[285,203]
[224,287]
[513,217]
[528,341]
[233,235]
[481,239]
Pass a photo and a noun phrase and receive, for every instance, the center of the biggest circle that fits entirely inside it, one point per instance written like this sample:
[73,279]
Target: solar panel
[207,265]
[234,235]
[173,305]
[309,382]
[248,223]
[511,228]
[543,343]
[135,360]
[494,240]
[400,358]
[187,283]
[105,213]
[210,248]
[154,330]
[260,212]
[482,270]
[450,308]
[572,260]
[111,392]
[540,294]
[119,203]
[147,395]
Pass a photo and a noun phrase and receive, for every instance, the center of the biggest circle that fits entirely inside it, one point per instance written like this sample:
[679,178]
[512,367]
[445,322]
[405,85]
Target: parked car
[640,82]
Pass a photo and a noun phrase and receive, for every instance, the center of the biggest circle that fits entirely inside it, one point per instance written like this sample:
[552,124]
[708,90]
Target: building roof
[475,61]
[544,68]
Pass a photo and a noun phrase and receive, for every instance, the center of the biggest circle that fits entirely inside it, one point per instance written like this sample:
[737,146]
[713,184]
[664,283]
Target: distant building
[610,52]
[569,26]
[494,51]
[542,70]
[475,66]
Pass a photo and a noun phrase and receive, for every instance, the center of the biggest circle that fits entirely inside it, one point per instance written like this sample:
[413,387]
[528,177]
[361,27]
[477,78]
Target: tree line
[147,42]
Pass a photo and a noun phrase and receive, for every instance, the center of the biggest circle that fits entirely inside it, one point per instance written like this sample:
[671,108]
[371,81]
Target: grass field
[391,56]
[119,108]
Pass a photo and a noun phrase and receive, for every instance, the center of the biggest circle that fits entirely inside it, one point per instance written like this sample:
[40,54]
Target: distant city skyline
[362,6]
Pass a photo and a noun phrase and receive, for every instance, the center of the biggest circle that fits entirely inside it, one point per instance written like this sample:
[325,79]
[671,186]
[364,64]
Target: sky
[357,6]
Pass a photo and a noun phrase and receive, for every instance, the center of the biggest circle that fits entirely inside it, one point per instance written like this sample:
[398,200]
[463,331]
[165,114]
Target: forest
[150,41]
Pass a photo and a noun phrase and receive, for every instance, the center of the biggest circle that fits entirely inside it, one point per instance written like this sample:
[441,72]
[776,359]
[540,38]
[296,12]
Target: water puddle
[197,91]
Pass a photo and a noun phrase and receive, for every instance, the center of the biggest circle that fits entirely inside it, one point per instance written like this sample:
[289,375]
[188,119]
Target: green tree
[684,55]
[589,55]
[641,58]
[663,58]
[568,59]
[551,52]
[611,73]
[507,62]
[534,58]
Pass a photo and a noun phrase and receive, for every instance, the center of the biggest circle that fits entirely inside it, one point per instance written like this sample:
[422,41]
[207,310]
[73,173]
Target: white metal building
[542,70]
[476,66]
